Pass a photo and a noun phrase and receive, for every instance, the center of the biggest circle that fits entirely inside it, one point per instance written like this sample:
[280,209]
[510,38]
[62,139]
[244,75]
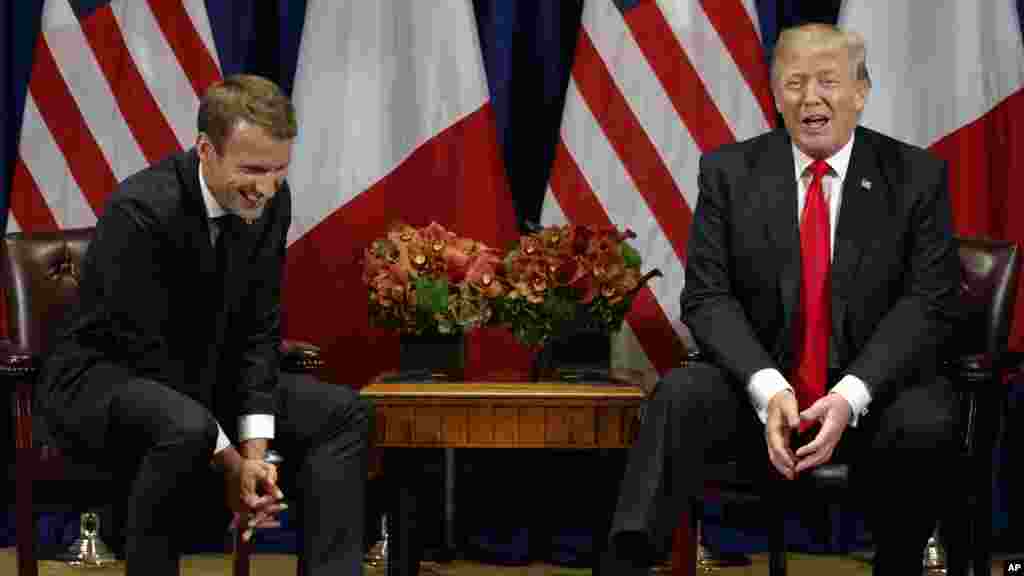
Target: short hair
[245,97]
[827,35]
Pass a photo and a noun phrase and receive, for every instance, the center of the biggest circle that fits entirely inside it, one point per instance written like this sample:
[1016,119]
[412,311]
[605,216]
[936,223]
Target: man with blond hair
[819,275]
[169,366]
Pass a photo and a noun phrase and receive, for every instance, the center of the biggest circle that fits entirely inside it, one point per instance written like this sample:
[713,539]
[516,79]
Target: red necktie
[815,321]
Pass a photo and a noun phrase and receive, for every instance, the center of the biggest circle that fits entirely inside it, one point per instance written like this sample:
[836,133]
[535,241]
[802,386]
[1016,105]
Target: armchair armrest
[973,370]
[17,363]
[299,357]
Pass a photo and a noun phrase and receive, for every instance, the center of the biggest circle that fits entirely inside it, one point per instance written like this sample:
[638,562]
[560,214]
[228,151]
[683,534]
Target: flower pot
[578,350]
[433,355]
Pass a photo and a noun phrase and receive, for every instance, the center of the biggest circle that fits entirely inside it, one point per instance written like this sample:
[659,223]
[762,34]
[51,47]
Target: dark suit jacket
[894,265]
[153,303]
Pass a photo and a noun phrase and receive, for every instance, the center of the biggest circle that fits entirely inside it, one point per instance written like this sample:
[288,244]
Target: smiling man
[170,361]
[819,276]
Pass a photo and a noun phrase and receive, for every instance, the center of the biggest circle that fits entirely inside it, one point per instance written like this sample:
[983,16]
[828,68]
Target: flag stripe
[158,63]
[90,90]
[675,71]
[52,174]
[610,185]
[737,31]
[145,120]
[641,159]
[189,47]
[28,207]
[579,204]
[654,85]
[63,117]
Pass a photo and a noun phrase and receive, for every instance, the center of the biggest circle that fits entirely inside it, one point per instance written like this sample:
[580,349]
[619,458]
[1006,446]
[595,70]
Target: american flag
[115,86]
[654,84]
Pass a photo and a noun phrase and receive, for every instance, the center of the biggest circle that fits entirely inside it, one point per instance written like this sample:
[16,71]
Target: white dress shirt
[250,426]
[767,382]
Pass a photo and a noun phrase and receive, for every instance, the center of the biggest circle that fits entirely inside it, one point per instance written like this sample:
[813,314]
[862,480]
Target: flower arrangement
[584,276]
[430,281]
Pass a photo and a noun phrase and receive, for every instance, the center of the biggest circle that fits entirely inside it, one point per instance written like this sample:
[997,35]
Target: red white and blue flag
[654,84]
[114,87]
[395,123]
[954,82]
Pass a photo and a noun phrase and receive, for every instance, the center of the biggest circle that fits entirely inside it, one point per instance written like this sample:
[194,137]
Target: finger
[785,470]
[817,459]
[254,502]
[820,439]
[815,411]
[271,509]
[807,463]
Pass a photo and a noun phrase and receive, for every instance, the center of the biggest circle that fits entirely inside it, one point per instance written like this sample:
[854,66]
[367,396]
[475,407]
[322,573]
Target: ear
[204,147]
[860,95]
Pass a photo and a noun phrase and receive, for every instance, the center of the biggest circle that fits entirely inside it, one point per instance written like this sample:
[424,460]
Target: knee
[695,386]
[191,428]
[351,414]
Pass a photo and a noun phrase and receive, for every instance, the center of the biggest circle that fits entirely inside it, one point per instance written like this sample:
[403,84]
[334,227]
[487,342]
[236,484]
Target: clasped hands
[253,495]
[784,417]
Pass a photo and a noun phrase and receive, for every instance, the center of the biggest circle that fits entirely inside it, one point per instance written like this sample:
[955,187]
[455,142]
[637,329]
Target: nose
[812,93]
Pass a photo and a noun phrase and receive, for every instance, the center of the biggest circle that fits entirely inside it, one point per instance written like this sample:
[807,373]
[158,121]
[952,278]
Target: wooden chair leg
[25,519]
[684,547]
[243,550]
[777,542]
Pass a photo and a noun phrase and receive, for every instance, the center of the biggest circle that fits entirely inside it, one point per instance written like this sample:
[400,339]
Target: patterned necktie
[815,321]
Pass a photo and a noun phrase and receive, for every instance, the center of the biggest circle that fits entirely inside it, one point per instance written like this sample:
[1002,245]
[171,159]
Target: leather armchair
[978,365]
[40,280]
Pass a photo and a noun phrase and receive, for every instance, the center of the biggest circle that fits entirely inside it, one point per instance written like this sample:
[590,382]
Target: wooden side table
[502,414]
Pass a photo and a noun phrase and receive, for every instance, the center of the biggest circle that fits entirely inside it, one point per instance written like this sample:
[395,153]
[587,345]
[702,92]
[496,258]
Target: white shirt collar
[213,208]
[839,162]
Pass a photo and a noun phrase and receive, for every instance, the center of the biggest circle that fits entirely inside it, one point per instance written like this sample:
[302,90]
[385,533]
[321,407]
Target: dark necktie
[220,230]
[815,322]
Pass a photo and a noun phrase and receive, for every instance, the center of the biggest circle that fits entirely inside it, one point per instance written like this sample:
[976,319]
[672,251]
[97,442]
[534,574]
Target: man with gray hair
[819,275]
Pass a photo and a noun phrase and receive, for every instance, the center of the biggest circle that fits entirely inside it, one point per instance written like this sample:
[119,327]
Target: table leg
[404,547]
[449,504]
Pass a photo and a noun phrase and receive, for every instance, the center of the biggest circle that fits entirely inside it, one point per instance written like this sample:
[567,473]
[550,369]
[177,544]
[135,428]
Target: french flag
[395,122]
[950,77]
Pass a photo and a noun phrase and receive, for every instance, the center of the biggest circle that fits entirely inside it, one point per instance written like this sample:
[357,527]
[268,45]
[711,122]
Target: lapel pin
[865,184]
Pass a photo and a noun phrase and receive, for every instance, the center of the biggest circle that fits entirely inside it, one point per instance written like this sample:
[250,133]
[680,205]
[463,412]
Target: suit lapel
[775,175]
[862,203]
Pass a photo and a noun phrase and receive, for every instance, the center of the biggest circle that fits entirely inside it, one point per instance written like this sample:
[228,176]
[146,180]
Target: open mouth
[815,122]
[250,199]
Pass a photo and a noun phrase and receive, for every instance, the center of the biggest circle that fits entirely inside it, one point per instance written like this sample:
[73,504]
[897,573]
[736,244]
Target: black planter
[578,351]
[432,355]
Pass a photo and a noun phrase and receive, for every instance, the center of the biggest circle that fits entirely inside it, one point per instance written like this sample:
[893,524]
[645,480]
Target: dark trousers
[899,455]
[164,441]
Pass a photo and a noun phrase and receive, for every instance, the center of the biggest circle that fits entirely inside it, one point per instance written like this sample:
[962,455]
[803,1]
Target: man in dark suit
[819,274]
[169,366]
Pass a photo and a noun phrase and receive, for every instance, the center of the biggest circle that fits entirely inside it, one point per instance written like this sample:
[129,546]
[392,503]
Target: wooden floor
[283,565]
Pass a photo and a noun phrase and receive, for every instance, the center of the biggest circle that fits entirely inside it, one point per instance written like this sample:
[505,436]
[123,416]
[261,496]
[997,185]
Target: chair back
[41,272]
[988,292]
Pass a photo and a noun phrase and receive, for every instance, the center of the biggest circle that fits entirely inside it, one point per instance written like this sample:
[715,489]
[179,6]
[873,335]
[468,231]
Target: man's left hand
[833,411]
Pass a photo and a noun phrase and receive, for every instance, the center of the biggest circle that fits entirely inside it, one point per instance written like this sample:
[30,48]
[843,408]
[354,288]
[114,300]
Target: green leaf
[431,295]
[630,255]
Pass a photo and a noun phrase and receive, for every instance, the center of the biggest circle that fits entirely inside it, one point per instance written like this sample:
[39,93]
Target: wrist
[254,449]
[227,460]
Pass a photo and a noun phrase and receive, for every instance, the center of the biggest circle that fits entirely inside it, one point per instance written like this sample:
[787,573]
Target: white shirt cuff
[764,384]
[855,391]
[252,426]
[222,440]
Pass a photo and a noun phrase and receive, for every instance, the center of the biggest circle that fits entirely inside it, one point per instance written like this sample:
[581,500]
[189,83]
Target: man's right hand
[252,493]
[783,418]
